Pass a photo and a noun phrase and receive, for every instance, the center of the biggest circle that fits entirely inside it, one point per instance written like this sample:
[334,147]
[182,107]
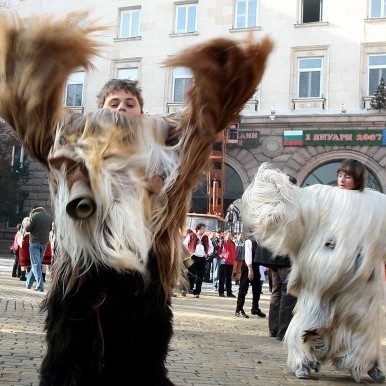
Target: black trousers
[282,303]
[16,271]
[196,274]
[225,277]
[244,286]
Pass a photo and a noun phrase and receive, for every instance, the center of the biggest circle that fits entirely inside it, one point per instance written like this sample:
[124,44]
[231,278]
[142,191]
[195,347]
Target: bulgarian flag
[293,138]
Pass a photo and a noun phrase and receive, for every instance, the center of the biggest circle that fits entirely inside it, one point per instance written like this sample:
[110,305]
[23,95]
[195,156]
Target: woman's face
[346,181]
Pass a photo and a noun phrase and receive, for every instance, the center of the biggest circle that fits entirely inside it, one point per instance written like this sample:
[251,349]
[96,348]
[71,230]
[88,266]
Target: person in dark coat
[39,228]
[16,271]
[250,274]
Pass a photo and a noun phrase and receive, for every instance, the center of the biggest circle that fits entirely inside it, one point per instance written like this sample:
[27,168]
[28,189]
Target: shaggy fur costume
[336,242]
[109,313]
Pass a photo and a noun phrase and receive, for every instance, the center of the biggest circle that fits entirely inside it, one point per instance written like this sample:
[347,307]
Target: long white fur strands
[336,242]
[119,162]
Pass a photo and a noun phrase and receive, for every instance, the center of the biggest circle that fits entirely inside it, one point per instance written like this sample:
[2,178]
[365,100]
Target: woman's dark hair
[357,170]
[292,179]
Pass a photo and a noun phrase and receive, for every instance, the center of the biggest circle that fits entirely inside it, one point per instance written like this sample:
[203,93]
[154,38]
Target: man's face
[124,102]
[201,231]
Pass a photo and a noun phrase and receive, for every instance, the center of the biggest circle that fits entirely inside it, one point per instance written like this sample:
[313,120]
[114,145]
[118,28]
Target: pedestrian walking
[39,228]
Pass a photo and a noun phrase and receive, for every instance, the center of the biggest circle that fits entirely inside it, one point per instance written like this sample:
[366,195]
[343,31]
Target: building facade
[312,108]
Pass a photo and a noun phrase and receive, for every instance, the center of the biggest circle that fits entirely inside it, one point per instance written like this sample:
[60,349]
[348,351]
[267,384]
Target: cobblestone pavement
[210,345]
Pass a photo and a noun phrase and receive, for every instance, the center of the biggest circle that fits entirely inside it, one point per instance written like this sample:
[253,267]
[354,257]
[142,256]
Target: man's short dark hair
[199,226]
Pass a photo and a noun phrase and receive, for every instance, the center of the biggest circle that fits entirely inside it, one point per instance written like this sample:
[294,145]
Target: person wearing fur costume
[109,312]
[338,316]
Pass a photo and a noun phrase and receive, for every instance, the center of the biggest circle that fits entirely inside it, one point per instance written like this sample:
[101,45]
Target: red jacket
[227,251]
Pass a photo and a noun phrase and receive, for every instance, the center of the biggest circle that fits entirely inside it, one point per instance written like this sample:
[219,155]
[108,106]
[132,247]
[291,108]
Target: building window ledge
[75,109]
[234,29]
[177,34]
[118,39]
[252,105]
[173,107]
[375,20]
[309,103]
[312,24]
[366,103]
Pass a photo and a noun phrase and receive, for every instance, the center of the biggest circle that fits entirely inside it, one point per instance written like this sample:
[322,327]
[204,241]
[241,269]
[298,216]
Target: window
[246,13]
[186,18]
[233,133]
[130,23]
[74,90]
[377,69]
[182,78]
[311,11]
[377,8]
[19,156]
[127,73]
[310,72]
[217,146]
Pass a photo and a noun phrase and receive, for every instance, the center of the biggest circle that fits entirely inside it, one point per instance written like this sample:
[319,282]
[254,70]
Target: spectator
[23,242]
[39,228]
[209,262]
[125,96]
[281,303]
[216,240]
[231,218]
[16,271]
[200,248]
[227,253]
[239,262]
[250,274]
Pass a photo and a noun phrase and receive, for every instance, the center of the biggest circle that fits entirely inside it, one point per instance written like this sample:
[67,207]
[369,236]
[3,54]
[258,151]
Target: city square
[210,345]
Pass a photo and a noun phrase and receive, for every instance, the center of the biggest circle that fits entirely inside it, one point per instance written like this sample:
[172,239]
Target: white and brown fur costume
[108,313]
[337,244]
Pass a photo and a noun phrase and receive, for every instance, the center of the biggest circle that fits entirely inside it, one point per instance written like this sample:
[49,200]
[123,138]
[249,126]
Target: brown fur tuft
[226,75]
[36,58]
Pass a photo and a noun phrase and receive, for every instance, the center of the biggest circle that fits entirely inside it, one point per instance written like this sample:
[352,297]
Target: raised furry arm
[226,74]
[36,58]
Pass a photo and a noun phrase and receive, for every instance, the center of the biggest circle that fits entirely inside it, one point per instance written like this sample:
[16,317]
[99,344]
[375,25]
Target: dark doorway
[233,190]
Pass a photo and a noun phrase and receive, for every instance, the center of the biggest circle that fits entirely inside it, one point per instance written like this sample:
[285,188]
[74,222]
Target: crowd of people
[228,261]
